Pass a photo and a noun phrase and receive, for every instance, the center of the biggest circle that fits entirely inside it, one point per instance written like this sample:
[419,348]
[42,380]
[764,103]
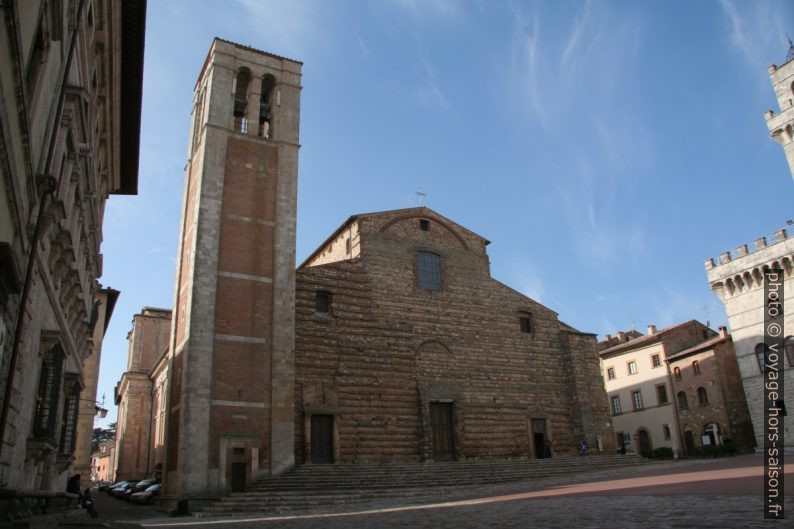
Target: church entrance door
[441,421]
[322,438]
[238,477]
[539,438]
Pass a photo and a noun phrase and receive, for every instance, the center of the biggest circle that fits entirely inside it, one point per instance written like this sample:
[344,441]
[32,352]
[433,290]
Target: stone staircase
[312,487]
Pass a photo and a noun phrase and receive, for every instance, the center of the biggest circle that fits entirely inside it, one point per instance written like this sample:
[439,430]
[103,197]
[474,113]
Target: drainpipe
[50,185]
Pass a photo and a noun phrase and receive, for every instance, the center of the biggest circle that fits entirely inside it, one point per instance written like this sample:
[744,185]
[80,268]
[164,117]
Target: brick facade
[709,377]
[387,349]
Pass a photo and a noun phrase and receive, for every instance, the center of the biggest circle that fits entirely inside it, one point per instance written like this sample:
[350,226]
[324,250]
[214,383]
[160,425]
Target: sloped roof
[708,344]
[645,340]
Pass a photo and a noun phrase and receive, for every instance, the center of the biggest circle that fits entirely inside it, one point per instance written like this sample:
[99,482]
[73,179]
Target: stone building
[709,397]
[738,281]
[70,98]
[103,462]
[639,388]
[408,350]
[231,382]
[139,396]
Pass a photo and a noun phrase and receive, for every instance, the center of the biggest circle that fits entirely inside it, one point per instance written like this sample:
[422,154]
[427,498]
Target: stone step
[311,486]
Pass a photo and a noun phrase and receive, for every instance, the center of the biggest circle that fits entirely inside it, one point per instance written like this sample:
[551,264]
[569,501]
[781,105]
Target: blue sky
[605,148]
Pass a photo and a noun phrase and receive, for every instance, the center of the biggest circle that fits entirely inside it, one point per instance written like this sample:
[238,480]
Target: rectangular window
[424,224]
[322,302]
[526,324]
[429,268]
[661,394]
[610,373]
[636,398]
[632,366]
[666,431]
[69,421]
[656,361]
[616,405]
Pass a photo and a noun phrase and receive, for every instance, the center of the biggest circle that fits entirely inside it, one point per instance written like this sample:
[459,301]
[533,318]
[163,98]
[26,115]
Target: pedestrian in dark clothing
[73,486]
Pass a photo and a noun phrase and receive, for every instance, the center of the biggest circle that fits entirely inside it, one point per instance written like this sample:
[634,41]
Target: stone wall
[387,349]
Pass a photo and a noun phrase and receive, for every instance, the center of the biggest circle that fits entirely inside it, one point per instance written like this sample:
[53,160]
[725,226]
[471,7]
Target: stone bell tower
[231,374]
[781,126]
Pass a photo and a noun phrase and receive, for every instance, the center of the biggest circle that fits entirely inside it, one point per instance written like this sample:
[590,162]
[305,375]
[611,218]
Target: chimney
[723,332]
[651,329]
[621,336]
[608,337]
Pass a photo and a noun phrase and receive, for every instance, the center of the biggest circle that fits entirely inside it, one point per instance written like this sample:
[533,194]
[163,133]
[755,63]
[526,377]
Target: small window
[788,346]
[429,268]
[661,394]
[682,401]
[760,353]
[525,323]
[616,405]
[696,367]
[636,398]
[666,431]
[610,373]
[347,246]
[656,360]
[703,397]
[424,224]
[632,366]
[322,302]
[677,373]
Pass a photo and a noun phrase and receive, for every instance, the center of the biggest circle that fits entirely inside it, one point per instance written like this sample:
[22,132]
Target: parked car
[103,485]
[123,491]
[110,488]
[146,496]
[145,484]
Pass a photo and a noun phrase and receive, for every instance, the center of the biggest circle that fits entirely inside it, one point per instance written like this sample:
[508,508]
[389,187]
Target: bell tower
[781,126]
[231,369]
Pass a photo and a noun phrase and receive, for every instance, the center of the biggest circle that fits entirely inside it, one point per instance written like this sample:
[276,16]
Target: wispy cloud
[290,27]
[425,7]
[573,88]
[525,277]
[428,90]
[756,30]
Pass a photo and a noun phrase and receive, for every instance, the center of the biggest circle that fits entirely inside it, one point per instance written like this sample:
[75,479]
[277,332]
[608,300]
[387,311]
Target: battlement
[743,250]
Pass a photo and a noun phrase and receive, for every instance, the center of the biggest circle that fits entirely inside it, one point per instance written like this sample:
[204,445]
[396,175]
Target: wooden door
[238,477]
[442,426]
[322,441]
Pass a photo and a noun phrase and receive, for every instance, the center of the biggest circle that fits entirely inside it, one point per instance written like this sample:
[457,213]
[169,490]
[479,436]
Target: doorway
[322,440]
[238,477]
[442,427]
[540,439]
[644,441]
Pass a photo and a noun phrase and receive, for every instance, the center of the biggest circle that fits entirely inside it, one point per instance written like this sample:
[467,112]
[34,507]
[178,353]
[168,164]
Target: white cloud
[756,30]
[428,90]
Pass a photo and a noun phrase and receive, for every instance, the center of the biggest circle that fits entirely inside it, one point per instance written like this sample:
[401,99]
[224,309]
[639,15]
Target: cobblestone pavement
[725,493]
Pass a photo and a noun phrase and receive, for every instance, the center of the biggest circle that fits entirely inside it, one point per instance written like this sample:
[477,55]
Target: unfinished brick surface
[387,350]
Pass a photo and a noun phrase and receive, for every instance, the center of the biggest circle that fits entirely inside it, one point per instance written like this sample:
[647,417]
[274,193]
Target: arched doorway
[711,431]
[689,442]
[643,441]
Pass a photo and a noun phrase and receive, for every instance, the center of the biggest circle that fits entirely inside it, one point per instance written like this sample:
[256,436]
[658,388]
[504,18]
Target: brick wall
[387,349]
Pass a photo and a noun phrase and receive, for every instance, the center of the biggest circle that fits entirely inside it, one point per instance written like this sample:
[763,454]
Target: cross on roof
[421,194]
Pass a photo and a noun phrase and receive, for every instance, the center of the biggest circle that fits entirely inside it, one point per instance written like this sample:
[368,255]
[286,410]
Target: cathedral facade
[390,343]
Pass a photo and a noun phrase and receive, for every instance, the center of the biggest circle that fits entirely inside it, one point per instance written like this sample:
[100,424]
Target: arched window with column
[239,121]
[266,106]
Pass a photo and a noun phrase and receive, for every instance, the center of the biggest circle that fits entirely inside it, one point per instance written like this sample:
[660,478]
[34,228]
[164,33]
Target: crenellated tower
[781,125]
[232,360]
